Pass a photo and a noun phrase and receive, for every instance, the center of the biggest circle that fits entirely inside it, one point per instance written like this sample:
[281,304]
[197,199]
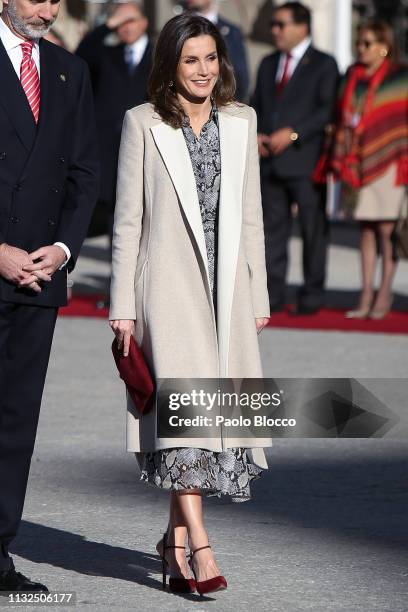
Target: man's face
[286,33]
[200,5]
[134,23]
[30,18]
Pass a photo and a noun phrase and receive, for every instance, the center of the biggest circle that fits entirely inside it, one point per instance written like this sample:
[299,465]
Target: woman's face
[198,68]
[369,50]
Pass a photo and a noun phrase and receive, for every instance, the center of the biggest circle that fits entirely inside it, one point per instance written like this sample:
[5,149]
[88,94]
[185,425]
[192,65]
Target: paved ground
[326,529]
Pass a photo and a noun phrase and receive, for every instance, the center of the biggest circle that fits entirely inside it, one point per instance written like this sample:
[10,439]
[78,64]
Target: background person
[119,55]
[188,228]
[294,100]
[371,155]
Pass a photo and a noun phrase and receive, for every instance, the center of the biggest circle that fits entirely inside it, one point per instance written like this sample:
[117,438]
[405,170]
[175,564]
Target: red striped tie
[285,76]
[30,80]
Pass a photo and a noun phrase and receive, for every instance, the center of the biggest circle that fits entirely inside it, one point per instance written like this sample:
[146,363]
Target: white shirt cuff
[66,251]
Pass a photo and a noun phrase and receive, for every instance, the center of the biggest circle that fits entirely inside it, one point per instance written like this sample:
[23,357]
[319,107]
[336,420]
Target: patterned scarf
[372,127]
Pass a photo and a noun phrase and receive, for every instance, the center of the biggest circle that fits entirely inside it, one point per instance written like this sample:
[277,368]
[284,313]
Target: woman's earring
[171,84]
[383,52]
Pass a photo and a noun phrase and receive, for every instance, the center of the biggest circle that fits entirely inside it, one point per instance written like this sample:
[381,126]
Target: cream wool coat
[159,263]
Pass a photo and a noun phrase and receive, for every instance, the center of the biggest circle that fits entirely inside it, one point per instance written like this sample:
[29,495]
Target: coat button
[51,222]
[17,187]
[62,160]
[2,155]
[54,190]
[15,219]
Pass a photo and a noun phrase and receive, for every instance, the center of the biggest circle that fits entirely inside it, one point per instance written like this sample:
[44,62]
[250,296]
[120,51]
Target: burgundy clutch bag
[135,374]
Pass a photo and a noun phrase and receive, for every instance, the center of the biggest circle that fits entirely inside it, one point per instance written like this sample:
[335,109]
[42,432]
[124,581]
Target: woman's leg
[191,508]
[368,246]
[176,535]
[389,266]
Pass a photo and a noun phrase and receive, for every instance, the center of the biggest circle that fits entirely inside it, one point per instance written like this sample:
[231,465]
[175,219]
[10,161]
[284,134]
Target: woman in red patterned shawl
[371,155]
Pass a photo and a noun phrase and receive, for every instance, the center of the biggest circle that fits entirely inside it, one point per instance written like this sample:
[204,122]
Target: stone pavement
[326,529]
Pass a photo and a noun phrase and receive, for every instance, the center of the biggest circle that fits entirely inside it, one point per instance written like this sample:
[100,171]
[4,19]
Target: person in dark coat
[49,181]
[119,56]
[294,99]
[235,42]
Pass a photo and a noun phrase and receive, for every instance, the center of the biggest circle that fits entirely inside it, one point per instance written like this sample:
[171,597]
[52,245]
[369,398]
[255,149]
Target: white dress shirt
[211,16]
[297,53]
[12,44]
[135,52]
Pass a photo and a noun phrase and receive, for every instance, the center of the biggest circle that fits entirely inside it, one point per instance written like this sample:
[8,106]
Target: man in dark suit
[119,56]
[294,99]
[234,39]
[48,187]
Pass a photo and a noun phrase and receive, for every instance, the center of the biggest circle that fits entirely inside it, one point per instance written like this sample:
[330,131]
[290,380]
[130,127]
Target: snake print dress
[228,472]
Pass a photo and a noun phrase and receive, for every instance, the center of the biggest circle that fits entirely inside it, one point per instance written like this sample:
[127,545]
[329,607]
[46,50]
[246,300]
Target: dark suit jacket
[116,90]
[306,104]
[49,173]
[236,48]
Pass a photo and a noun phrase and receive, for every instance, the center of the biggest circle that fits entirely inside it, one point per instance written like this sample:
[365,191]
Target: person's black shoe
[11,580]
[301,310]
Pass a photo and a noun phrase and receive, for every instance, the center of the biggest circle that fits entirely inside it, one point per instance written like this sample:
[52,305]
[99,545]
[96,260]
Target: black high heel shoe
[218,583]
[176,585]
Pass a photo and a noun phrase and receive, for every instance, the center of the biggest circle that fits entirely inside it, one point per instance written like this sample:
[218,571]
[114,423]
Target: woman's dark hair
[383,33]
[300,13]
[167,55]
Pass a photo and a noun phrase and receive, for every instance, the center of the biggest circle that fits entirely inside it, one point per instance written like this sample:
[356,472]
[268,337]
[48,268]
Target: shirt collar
[300,49]
[140,44]
[9,39]
[212,16]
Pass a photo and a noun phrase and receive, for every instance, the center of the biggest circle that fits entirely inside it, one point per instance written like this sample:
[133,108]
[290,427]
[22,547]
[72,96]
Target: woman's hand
[123,330]
[261,323]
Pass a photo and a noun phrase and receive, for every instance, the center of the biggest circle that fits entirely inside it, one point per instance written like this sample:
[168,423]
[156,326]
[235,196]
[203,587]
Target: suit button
[15,219]
[17,187]
[54,190]
[2,155]
[51,222]
[62,160]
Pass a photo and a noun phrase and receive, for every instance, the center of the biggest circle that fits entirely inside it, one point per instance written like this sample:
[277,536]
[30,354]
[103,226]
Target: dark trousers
[277,197]
[25,343]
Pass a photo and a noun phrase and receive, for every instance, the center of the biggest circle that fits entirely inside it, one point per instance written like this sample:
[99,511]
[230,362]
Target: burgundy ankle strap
[197,549]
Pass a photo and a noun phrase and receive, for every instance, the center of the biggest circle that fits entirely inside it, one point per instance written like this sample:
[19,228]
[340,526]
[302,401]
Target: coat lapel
[304,62]
[175,155]
[118,58]
[274,72]
[233,143]
[14,101]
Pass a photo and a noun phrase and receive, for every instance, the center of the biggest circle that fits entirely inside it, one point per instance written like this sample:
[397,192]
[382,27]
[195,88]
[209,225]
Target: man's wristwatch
[294,136]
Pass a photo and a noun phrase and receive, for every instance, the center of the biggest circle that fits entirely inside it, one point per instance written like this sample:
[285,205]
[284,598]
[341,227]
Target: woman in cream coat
[188,273]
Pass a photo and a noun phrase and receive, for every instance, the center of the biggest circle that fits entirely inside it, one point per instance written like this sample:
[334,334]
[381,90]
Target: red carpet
[327,319]
[85,306]
[334,320]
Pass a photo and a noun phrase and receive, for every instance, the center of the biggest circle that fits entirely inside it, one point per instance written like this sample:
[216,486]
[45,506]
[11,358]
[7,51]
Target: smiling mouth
[202,82]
